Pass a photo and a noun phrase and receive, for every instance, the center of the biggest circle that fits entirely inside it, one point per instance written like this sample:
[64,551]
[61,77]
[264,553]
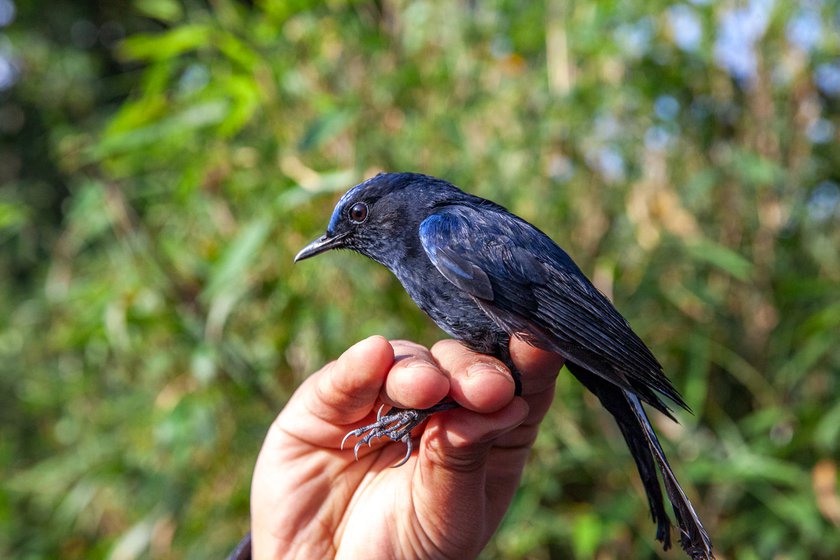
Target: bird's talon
[396,425]
[408,449]
[344,440]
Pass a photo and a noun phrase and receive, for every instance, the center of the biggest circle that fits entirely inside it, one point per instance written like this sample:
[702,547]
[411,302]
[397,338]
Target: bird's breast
[452,309]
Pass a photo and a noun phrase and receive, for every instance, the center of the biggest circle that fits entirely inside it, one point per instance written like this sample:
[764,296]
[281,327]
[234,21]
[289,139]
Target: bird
[485,275]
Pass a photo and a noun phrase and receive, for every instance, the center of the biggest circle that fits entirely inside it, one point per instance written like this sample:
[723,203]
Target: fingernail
[415,362]
[483,368]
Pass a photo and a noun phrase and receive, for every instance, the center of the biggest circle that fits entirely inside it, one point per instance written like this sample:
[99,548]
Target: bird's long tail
[648,454]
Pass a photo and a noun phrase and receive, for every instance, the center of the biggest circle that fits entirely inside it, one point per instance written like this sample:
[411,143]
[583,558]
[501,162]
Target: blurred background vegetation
[161,162]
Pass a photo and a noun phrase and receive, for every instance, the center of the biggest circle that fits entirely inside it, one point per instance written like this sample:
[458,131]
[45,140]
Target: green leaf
[164,10]
[755,169]
[12,216]
[324,129]
[721,257]
[327,182]
[238,51]
[807,356]
[827,432]
[203,364]
[167,130]
[231,271]
[587,533]
[166,45]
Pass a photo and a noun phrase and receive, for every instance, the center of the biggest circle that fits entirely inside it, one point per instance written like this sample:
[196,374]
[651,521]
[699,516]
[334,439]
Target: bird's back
[499,267]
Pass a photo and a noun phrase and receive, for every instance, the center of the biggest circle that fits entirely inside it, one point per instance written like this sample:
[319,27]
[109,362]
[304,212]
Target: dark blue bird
[484,275]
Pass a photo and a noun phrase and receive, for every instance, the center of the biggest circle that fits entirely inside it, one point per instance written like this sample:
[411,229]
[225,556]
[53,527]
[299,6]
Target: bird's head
[380,217]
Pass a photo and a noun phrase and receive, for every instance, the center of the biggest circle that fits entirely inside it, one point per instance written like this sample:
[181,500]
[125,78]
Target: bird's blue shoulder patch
[444,238]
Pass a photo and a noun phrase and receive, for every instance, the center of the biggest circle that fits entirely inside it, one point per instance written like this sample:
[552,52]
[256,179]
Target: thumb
[341,393]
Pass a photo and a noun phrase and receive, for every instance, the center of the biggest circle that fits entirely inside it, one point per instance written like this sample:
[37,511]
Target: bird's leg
[395,425]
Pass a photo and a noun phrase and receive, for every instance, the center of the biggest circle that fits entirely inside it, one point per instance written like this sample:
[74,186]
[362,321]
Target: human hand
[310,499]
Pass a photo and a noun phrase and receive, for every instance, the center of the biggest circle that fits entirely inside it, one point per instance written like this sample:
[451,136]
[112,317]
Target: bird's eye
[358,212]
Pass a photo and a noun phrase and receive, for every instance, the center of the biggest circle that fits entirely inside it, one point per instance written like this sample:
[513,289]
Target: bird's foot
[396,425]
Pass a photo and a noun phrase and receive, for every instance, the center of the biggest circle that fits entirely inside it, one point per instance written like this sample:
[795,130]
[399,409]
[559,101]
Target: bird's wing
[532,289]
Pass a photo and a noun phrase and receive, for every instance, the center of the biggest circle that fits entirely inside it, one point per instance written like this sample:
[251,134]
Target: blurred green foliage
[161,163]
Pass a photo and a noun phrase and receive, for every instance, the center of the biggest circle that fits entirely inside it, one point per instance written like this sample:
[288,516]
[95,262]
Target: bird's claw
[396,425]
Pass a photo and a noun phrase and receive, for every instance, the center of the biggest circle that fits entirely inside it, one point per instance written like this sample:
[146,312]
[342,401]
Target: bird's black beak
[320,245]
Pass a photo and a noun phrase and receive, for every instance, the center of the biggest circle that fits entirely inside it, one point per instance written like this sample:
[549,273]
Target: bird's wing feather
[532,289]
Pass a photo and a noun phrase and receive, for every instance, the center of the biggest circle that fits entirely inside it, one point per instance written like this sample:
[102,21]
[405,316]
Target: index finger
[415,380]
[478,382]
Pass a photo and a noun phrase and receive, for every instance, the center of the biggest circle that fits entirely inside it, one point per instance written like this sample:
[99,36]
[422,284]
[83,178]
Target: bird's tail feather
[628,412]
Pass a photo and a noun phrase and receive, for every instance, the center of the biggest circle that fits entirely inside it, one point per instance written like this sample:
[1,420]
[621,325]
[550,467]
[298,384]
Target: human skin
[311,499]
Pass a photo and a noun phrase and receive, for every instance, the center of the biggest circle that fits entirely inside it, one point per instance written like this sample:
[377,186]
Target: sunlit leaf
[166,45]
[164,10]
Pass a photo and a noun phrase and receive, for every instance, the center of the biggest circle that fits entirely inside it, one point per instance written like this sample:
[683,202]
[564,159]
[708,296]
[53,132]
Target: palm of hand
[311,499]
